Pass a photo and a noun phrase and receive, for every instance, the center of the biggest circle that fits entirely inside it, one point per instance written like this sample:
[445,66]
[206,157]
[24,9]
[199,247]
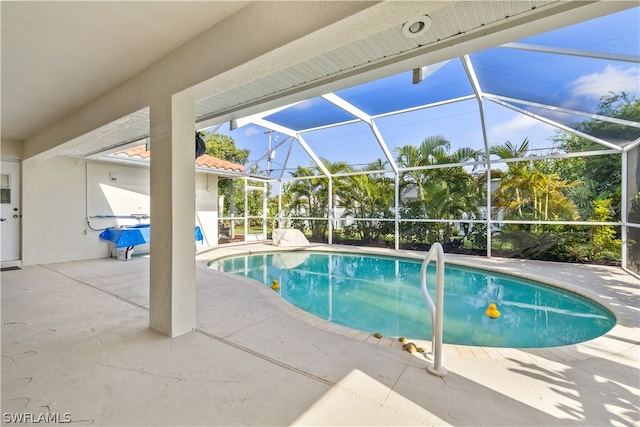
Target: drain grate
[10,268]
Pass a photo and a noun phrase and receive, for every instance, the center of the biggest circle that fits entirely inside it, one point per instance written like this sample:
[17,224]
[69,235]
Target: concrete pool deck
[76,344]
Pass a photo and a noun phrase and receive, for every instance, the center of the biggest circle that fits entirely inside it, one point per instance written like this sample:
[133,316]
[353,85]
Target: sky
[567,81]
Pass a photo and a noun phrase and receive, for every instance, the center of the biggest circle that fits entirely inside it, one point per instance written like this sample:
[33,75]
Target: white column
[172,266]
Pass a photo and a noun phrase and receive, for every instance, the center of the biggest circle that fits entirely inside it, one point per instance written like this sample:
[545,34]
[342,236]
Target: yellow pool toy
[492,311]
[275,285]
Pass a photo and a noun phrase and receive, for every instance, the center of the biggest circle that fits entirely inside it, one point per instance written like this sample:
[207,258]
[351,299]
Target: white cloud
[517,124]
[304,105]
[250,131]
[611,79]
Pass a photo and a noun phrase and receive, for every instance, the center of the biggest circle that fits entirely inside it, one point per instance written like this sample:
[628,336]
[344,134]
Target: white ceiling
[58,56]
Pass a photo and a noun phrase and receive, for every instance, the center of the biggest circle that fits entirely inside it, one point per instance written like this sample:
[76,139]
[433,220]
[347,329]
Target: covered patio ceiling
[554,77]
[557,78]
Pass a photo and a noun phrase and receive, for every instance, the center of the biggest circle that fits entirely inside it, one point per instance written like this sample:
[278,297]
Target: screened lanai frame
[272,121]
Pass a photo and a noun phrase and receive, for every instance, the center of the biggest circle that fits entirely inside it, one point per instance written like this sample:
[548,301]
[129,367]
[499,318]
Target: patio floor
[76,345]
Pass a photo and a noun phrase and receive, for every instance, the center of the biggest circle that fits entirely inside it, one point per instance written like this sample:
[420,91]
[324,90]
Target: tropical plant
[478,235]
[412,158]
[633,242]
[223,147]
[512,195]
[526,191]
[602,174]
[309,197]
[444,192]
[604,243]
[368,195]
[306,200]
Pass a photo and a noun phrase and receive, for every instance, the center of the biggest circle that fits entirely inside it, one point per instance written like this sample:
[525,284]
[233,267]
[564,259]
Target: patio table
[132,235]
[123,237]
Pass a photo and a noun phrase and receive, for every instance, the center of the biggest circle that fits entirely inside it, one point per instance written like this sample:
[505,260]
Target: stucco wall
[115,190]
[54,213]
[56,207]
[207,207]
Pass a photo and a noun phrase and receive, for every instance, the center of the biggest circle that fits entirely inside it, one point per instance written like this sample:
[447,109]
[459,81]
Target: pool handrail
[436,309]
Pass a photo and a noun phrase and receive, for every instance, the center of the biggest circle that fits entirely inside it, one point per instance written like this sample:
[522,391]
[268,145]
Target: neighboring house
[409,194]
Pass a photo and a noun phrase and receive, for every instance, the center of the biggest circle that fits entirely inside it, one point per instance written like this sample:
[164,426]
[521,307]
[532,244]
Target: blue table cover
[134,235]
[127,236]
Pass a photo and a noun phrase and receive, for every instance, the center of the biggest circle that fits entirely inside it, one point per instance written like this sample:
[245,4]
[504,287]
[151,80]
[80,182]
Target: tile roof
[213,162]
[205,160]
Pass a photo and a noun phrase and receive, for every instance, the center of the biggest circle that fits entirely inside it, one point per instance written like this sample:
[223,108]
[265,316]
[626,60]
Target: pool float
[275,285]
[492,311]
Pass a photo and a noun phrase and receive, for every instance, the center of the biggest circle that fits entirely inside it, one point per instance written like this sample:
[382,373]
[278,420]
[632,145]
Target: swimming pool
[382,294]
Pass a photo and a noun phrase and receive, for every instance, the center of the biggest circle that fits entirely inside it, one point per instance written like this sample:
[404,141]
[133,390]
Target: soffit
[449,21]
[58,56]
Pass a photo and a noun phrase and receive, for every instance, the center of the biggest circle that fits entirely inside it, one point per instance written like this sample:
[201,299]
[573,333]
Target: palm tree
[444,192]
[409,157]
[304,200]
[309,197]
[510,195]
[431,151]
[527,192]
[367,196]
[551,189]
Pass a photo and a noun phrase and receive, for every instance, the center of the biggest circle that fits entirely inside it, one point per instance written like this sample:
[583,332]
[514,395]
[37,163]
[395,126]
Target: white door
[11,210]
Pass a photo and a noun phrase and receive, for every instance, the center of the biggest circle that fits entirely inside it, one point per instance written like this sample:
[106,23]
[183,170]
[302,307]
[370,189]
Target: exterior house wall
[207,207]
[54,213]
[117,191]
[80,189]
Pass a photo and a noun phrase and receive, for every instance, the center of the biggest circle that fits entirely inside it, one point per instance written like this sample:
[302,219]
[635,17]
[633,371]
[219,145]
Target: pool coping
[620,338]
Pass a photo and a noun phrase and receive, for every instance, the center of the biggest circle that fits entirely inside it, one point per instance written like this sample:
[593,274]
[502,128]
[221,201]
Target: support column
[232,211]
[172,300]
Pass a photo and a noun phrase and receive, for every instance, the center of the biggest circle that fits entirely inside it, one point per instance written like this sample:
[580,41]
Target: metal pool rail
[436,309]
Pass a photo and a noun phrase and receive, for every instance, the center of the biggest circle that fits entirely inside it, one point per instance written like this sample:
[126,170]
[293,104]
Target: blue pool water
[382,294]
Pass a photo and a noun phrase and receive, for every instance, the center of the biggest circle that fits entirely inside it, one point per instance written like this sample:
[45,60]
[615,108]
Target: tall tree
[224,147]
[601,174]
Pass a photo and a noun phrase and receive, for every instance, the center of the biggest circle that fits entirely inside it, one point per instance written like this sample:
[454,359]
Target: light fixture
[416,27]
[233,125]
[419,74]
